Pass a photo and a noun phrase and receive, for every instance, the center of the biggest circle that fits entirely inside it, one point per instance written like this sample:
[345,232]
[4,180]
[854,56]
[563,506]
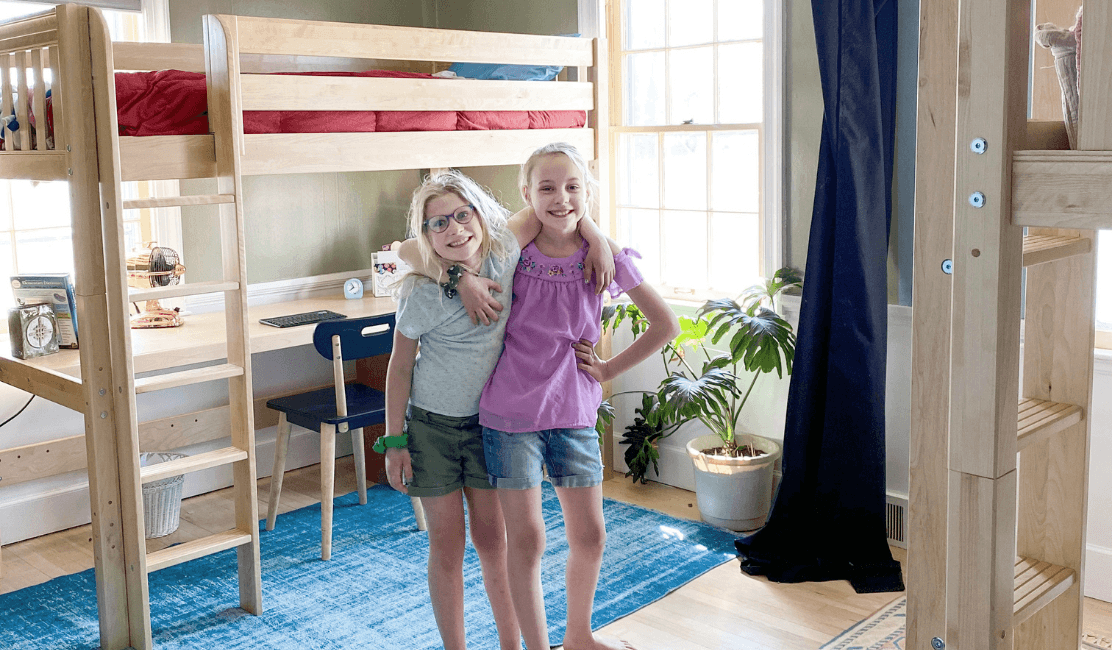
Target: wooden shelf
[187,377]
[1040,419]
[195,463]
[196,548]
[1039,249]
[203,337]
[1037,584]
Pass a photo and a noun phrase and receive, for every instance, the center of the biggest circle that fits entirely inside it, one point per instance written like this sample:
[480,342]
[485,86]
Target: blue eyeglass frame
[449,217]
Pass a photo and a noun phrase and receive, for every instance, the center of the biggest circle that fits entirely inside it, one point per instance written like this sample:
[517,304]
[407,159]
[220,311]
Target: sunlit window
[689,146]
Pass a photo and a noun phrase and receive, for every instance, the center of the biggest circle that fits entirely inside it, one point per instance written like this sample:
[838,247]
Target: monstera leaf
[762,340]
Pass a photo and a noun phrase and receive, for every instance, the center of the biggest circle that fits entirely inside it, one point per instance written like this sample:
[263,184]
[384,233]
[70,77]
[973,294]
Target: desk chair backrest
[352,338]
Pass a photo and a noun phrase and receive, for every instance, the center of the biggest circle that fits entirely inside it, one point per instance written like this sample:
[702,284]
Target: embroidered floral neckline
[557,269]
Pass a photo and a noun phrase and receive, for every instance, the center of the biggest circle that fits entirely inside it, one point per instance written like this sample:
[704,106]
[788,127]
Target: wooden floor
[722,609]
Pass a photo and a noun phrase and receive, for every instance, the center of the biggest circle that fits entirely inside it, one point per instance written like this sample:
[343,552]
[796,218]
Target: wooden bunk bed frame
[99,379]
[998,489]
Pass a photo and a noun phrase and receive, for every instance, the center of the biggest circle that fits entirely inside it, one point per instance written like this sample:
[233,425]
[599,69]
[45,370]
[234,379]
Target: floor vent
[895,519]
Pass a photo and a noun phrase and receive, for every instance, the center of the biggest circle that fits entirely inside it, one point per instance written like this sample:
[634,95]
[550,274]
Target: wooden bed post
[121,590]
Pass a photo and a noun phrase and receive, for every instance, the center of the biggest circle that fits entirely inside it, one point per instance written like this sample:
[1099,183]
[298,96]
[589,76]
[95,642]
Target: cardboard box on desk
[389,268]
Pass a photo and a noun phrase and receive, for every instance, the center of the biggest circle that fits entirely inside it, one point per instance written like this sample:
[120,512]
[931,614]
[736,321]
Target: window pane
[685,171]
[639,177]
[644,24]
[40,205]
[644,94]
[1104,280]
[691,91]
[7,267]
[734,251]
[685,249]
[692,22]
[133,235]
[640,230]
[45,251]
[740,83]
[740,19]
[736,171]
[5,205]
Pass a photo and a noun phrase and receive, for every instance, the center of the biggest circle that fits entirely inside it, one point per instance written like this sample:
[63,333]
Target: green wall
[306,224]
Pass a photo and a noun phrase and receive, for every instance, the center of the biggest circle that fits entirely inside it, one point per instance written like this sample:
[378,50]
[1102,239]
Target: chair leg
[327,486]
[278,474]
[360,465]
[418,512]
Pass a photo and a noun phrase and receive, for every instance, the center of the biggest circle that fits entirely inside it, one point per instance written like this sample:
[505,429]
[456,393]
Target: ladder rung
[1036,585]
[194,463]
[1038,249]
[179,290]
[187,377]
[196,548]
[177,201]
[1040,419]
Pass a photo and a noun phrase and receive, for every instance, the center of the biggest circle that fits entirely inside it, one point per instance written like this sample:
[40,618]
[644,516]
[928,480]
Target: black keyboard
[308,318]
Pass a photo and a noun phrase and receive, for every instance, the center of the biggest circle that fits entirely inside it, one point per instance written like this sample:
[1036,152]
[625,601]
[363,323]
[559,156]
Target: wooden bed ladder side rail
[225,120]
[121,590]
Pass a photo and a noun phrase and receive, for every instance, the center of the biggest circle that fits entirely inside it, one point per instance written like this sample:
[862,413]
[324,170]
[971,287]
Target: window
[35,231]
[696,139]
[1103,289]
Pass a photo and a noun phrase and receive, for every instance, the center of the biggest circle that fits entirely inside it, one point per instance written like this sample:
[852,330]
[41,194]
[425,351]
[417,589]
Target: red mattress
[173,102]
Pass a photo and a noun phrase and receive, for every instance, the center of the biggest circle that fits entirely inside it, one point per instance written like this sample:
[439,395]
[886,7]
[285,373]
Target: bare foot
[598,643]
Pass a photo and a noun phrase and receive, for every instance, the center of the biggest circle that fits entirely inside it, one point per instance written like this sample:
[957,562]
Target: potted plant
[733,470]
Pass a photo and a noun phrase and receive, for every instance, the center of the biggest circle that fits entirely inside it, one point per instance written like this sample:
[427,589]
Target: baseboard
[1098,573]
[66,504]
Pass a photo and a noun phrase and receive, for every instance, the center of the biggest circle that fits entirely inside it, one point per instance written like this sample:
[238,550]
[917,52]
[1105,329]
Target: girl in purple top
[540,405]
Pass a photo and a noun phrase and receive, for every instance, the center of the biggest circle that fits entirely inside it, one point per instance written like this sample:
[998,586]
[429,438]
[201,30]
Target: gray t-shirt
[455,357]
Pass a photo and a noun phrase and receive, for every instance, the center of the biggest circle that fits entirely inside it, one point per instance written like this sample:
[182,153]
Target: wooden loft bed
[998,489]
[99,379]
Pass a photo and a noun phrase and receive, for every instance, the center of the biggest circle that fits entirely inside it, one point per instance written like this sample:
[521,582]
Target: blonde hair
[491,215]
[576,158]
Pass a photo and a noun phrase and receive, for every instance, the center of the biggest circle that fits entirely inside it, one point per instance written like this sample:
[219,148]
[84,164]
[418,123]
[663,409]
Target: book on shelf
[56,290]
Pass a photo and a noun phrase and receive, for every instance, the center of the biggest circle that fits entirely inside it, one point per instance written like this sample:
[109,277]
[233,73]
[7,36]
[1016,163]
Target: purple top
[535,385]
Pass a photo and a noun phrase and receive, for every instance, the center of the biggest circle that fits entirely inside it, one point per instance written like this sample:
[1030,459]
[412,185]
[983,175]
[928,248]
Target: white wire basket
[161,498]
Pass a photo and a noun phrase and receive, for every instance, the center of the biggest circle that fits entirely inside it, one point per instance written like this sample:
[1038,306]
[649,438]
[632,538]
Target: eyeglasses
[440,223]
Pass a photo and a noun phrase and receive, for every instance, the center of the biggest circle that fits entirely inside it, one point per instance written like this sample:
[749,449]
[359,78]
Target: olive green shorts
[446,453]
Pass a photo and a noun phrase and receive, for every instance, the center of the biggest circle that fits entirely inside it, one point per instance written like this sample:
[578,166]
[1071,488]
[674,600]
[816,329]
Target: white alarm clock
[353,289]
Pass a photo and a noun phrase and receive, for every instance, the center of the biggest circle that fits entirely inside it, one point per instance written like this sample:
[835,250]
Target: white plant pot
[734,493]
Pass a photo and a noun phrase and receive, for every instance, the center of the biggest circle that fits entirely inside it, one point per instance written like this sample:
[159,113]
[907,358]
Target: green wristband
[393,442]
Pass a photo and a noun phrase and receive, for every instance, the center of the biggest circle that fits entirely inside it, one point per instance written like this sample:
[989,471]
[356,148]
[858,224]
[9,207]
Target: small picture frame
[388,269]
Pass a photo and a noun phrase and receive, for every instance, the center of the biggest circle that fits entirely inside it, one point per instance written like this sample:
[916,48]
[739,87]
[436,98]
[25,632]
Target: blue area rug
[373,593]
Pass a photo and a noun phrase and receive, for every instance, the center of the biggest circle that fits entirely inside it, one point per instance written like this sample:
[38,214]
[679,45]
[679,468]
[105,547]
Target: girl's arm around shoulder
[399,383]
[663,327]
[600,258]
[474,291]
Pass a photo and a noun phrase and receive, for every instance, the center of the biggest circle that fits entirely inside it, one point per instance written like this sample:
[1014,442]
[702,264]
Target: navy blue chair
[341,408]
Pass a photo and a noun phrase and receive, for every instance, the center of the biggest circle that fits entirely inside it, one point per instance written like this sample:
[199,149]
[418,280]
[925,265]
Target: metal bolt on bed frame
[938,644]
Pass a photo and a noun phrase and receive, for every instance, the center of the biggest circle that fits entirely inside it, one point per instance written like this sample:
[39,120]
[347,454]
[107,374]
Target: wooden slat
[38,100]
[1039,249]
[1037,584]
[196,548]
[1062,189]
[1045,135]
[299,153]
[23,135]
[28,42]
[167,157]
[318,93]
[194,463]
[187,377]
[350,40]
[1040,419]
[55,101]
[7,88]
[179,290]
[175,201]
[33,165]
[158,56]
[54,386]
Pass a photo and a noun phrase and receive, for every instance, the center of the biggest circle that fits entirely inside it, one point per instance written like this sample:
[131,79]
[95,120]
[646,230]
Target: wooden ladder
[100,138]
[998,488]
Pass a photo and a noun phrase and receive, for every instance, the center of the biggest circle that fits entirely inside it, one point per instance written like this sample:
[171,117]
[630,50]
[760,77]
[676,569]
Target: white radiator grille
[896,520]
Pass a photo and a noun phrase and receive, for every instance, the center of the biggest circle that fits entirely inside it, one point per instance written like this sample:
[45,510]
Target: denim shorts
[515,461]
[446,453]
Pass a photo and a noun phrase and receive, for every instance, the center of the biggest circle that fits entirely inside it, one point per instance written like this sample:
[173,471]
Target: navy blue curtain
[828,521]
